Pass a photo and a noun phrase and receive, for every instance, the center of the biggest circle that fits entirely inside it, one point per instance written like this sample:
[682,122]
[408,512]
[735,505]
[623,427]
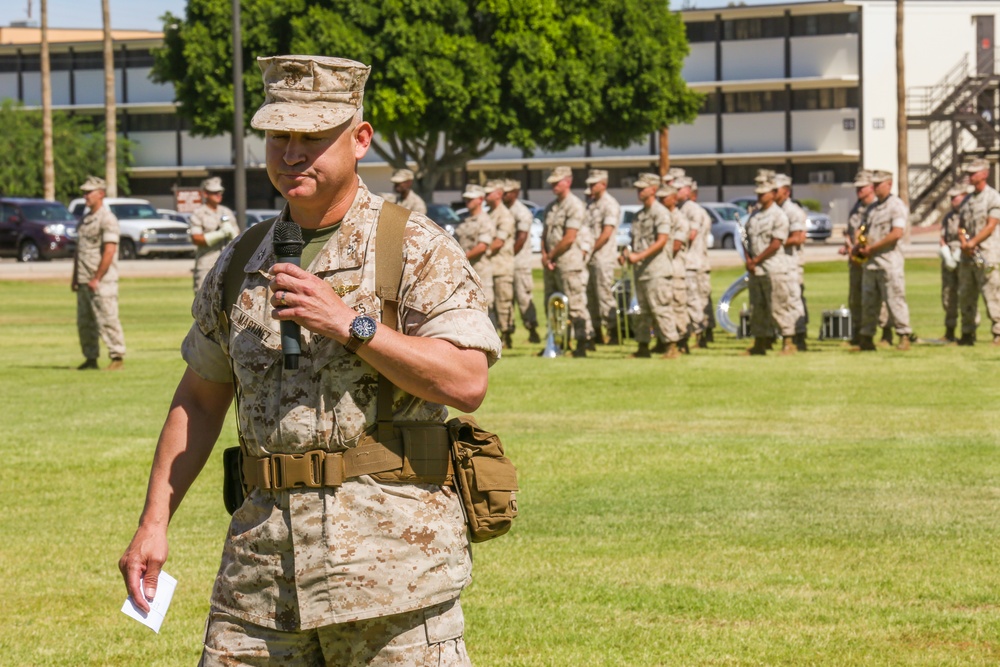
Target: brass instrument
[558,338]
[978,258]
[861,241]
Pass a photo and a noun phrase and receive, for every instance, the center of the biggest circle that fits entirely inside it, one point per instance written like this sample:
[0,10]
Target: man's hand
[751,264]
[94,284]
[74,286]
[310,302]
[142,562]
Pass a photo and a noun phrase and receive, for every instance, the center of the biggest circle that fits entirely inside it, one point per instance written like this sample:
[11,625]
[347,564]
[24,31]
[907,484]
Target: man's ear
[363,134]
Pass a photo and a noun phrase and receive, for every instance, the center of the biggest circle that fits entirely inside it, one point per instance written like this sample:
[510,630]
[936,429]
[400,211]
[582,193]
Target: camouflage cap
[783,180]
[862,178]
[402,176]
[666,190]
[976,166]
[648,180]
[881,175]
[764,175]
[559,173]
[309,93]
[960,188]
[597,176]
[682,182]
[676,172]
[764,187]
[94,183]
[494,184]
[473,191]
[213,184]
[511,184]
[694,185]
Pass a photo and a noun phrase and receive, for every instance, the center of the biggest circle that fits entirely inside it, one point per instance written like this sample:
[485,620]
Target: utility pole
[239,154]
[48,160]
[110,108]
[664,151]
[902,154]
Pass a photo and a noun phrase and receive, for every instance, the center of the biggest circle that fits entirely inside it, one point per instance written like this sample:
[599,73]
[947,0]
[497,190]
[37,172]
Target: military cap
[213,184]
[764,175]
[402,176]
[511,184]
[765,186]
[473,191]
[862,178]
[676,172]
[666,190]
[881,175]
[647,180]
[976,166]
[682,182]
[694,185]
[783,180]
[494,184]
[959,189]
[309,93]
[94,183]
[597,176]
[559,173]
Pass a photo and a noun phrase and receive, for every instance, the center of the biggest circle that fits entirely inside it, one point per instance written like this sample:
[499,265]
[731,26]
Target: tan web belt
[421,454]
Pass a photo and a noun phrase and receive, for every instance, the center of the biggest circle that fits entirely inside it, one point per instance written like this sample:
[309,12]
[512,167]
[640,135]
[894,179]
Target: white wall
[824,55]
[141,89]
[214,151]
[823,130]
[698,137]
[8,86]
[700,63]
[90,87]
[753,132]
[154,149]
[753,59]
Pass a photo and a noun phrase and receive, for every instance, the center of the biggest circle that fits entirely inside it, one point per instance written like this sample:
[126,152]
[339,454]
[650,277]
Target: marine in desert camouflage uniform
[603,218]
[502,260]
[362,570]
[402,184]
[980,214]
[524,283]
[213,226]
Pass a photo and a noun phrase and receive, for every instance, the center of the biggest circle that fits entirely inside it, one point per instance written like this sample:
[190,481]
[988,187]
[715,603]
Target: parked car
[628,212]
[444,216]
[143,232]
[725,223]
[257,215]
[818,225]
[176,216]
[34,229]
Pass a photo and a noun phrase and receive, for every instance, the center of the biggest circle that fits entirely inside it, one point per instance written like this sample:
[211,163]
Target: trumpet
[558,338]
[861,242]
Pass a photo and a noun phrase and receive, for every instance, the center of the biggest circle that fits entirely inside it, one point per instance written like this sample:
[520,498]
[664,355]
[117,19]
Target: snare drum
[837,325]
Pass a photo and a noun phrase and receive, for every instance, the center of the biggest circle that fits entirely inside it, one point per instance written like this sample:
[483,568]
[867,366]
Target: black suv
[34,229]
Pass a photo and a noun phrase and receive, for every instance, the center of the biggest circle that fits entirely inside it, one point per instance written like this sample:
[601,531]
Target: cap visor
[286,117]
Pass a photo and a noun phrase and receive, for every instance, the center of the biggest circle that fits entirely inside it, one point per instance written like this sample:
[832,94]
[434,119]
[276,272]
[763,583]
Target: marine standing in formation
[697,267]
[603,217]
[524,283]
[980,243]
[351,560]
[476,235]
[677,249]
[564,252]
[883,272]
[502,261]
[951,249]
[794,250]
[95,280]
[402,184]
[213,226]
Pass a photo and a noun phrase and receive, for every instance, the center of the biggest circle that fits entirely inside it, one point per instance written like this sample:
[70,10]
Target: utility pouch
[485,479]
[232,479]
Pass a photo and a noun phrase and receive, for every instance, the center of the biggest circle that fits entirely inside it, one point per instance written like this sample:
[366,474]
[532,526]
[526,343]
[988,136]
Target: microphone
[288,248]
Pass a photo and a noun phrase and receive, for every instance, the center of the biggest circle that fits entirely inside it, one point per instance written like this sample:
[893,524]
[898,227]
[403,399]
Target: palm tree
[48,162]
[110,110]
[903,153]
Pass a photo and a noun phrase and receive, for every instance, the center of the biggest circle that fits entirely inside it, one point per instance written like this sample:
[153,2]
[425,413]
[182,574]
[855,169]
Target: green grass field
[825,509]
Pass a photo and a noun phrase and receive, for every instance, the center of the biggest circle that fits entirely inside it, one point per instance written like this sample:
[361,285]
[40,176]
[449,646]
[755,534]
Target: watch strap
[353,344]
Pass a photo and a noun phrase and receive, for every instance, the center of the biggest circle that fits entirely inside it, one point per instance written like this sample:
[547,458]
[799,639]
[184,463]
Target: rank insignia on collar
[342,290]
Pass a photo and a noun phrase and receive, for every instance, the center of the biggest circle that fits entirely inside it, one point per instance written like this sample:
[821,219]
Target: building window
[825,24]
[754,102]
[89,60]
[824,98]
[155,122]
[130,58]
[700,31]
[710,104]
[761,28]
[843,172]
[61,62]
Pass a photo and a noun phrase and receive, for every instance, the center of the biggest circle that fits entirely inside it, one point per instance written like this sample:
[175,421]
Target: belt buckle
[290,471]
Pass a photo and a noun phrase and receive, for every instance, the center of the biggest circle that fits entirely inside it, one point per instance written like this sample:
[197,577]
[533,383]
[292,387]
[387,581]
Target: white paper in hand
[165,586]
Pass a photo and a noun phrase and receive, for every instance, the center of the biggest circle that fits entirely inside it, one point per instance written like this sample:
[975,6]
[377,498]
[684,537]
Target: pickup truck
[144,232]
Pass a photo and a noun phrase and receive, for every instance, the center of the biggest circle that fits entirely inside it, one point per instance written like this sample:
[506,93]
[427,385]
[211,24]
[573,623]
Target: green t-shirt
[315,239]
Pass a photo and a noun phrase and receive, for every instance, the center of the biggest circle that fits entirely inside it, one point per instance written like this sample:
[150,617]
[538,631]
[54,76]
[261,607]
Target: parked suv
[34,229]
[144,232]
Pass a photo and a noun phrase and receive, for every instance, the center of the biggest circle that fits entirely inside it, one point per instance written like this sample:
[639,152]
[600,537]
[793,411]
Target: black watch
[362,330]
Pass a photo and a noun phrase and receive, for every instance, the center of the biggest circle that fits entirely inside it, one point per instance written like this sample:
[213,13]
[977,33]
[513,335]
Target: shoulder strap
[388,275]
[243,248]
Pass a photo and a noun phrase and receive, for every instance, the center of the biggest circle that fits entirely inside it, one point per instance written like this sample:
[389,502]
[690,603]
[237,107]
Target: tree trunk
[903,182]
[664,151]
[110,110]
[48,161]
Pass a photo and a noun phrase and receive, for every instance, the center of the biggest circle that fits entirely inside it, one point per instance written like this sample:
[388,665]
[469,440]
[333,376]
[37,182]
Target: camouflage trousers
[574,285]
[662,307]
[949,296]
[503,302]
[698,300]
[600,300]
[856,273]
[422,638]
[884,286]
[773,306]
[97,319]
[971,283]
[524,287]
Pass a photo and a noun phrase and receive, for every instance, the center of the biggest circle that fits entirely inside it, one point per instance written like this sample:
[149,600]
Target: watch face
[363,327]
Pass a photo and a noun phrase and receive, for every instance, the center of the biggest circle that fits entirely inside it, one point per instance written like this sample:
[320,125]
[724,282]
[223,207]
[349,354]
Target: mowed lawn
[830,508]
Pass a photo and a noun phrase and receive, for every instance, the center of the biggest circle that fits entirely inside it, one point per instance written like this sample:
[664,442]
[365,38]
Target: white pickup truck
[144,232]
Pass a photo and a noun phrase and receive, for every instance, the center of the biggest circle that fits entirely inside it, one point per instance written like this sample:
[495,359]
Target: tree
[78,146]
[452,79]
[110,108]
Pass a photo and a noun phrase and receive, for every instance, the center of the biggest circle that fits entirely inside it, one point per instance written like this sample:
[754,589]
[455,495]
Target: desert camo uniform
[680,232]
[368,556]
[524,283]
[570,273]
[412,201]
[97,312]
[949,277]
[975,212]
[503,268]
[883,277]
[204,220]
[771,304]
[475,230]
[796,223]
[602,212]
[697,268]
[654,276]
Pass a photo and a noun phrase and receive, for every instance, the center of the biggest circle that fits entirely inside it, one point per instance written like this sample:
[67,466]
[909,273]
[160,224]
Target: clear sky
[145,14]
